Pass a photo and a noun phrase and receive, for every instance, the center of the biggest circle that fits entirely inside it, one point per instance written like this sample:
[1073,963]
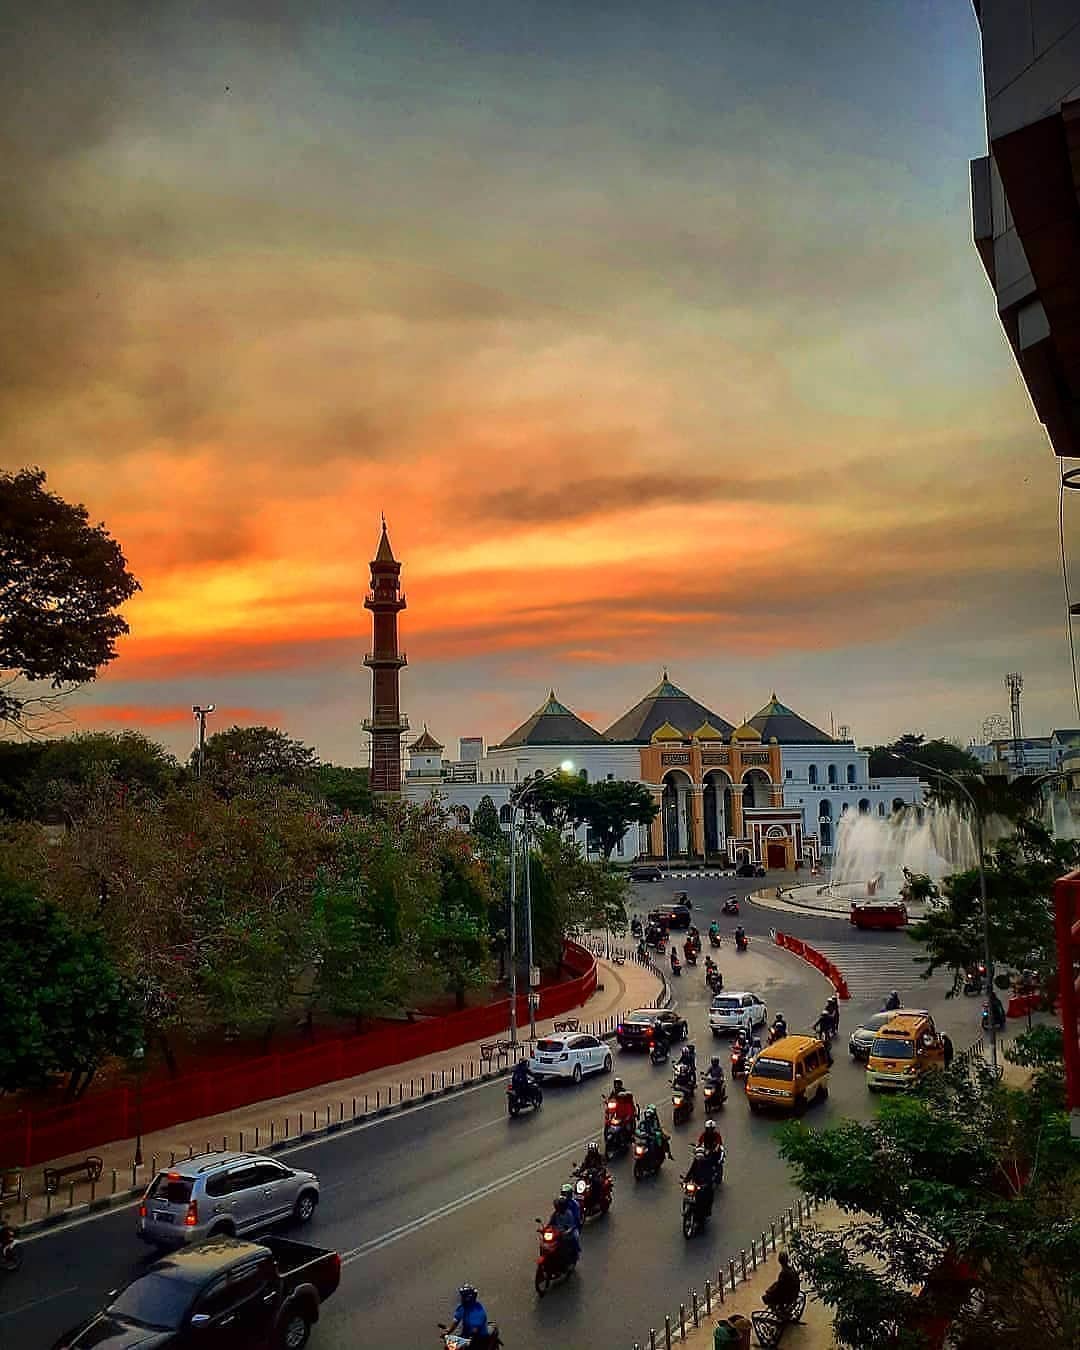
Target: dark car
[672,916]
[863,1036]
[225,1294]
[646,872]
[637,1030]
[750,870]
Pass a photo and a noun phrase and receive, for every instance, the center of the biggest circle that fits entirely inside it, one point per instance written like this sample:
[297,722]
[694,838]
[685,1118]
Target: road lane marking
[452,1206]
[475,1129]
[37,1302]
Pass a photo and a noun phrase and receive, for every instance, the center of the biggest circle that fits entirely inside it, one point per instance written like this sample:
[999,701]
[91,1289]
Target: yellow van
[905,1048]
[792,1072]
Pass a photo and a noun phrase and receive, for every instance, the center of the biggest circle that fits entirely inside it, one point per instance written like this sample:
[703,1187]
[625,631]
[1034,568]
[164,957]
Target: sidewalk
[814,1332]
[329,1107]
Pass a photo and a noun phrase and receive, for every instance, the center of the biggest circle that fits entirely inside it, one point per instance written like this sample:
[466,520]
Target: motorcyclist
[702,1173]
[997,1009]
[785,1289]
[710,1138]
[689,951]
[635,926]
[471,1317]
[674,958]
[714,929]
[576,1212]
[824,1025]
[832,1003]
[891,1003]
[566,1225]
[625,1112]
[715,1072]
[653,1132]
[686,1068]
[740,936]
[592,1167]
[523,1083]
[778,1030]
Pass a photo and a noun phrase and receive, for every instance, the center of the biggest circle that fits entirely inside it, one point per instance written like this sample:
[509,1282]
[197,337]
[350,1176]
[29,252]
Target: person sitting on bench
[785,1289]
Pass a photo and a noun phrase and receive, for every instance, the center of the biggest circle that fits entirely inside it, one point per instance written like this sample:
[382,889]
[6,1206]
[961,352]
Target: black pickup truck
[225,1294]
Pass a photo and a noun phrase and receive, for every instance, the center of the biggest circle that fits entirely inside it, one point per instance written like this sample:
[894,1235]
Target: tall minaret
[386,724]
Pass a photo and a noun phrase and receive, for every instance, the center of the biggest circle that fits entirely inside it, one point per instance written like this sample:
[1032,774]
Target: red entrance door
[775,857]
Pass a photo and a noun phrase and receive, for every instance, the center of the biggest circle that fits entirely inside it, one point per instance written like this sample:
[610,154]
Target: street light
[139,1053]
[987,959]
[567,766]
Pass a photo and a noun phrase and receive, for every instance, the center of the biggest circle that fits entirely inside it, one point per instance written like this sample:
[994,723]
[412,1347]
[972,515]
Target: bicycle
[769,1323]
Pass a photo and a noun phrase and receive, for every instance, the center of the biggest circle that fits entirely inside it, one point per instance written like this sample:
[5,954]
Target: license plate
[162,1217]
[544,1059]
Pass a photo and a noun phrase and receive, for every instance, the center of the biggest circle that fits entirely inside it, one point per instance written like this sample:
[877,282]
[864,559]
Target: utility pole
[1014,683]
[533,996]
[200,716]
[513,929]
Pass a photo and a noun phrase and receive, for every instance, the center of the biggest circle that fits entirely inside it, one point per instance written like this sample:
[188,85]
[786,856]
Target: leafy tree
[612,807]
[967,1176]
[66,767]
[346,788]
[487,833]
[63,1005]
[561,802]
[453,936]
[61,582]
[938,753]
[235,759]
[570,893]
[18,768]
[1020,872]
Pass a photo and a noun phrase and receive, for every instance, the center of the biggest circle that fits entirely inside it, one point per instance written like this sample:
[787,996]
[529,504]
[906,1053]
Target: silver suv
[223,1194]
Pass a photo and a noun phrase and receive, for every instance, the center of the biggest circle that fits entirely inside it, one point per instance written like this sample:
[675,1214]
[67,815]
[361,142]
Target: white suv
[736,1011]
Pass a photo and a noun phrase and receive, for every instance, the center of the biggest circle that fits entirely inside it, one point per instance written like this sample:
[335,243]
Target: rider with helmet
[778,1030]
[653,1132]
[702,1174]
[592,1166]
[471,1316]
[624,1112]
[891,1003]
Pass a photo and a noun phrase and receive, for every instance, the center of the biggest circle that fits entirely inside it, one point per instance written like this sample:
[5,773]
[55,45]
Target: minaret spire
[387,724]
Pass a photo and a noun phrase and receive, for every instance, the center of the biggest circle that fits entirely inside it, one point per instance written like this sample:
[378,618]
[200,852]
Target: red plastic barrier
[1022,1004]
[28,1137]
[807,953]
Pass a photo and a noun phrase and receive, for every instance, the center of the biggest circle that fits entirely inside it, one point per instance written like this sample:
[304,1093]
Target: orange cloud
[152,715]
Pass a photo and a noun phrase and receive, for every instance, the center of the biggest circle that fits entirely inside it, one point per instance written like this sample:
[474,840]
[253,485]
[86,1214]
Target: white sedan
[738,1010]
[570,1056]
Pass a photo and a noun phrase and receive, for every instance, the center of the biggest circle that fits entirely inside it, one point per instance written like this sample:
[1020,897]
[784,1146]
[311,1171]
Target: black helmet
[593,1147]
[616,1085]
[715,1062]
[561,1203]
[467,1293]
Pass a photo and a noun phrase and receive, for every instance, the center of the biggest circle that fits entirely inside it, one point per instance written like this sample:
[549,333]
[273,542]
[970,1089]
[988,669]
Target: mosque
[769,791]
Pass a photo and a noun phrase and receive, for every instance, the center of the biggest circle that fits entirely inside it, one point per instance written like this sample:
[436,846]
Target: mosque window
[832,775]
[504,814]
[811,774]
[788,773]
[881,808]
[825,810]
[864,807]
[851,773]
[826,835]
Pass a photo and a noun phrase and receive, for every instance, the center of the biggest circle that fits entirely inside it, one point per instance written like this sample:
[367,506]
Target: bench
[769,1323]
[90,1168]
[495,1050]
[570,1024]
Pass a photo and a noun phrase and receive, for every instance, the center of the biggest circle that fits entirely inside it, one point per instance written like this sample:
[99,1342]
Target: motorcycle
[998,1017]
[695,1208]
[595,1200]
[676,964]
[741,942]
[730,905]
[714,980]
[715,1094]
[635,928]
[691,957]
[682,1102]
[658,1051]
[522,1101]
[694,940]
[742,1056]
[777,1032]
[557,1257]
[452,1341]
[714,938]
[648,1159]
[11,1258]
[618,1134]
[973,980]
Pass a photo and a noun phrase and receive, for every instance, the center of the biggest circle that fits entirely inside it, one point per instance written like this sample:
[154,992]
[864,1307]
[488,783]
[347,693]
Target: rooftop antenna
[1014,683]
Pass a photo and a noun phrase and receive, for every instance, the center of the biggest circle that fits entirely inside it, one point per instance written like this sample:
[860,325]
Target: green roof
[666,703]
[553,724]
[789,728]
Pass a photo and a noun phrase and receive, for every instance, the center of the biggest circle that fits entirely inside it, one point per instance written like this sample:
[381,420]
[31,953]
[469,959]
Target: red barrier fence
[28,1137]
[805,952]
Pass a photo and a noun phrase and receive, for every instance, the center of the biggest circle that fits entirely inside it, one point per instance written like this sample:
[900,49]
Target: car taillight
[618,1030]
[337,1262]
[142,1211]
[191,1218]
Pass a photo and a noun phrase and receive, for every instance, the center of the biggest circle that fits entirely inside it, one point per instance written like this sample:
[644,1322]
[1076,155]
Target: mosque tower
[386,725]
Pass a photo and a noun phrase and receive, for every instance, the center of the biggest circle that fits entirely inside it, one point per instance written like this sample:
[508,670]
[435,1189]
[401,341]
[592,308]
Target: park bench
[570,1024]
[769,1323]
[90,1168]
[11,1185]
[495,1050]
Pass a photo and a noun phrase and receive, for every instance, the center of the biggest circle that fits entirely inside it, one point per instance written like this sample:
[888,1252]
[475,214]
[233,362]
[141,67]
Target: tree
[63,1005]
[939,753]
[561,802]
[487,833]
[234,759]
[453,935]
[612,807]
[344,787]
[968,1177]
[67,767]
[18,769]
[570,893]
[1020,872]
[61,583]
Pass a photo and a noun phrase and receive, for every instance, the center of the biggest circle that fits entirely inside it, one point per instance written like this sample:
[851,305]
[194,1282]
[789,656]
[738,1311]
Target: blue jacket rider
[470,1314]
[521,1080]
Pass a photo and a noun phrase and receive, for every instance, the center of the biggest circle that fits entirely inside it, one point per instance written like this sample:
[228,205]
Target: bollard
[285,1132]
[224,1143]
[377,1098]
[256,1138]
[241,1141]
[114,1181]
[708,1297]
[365,1103]
[753,1252]
[172,1159]
[48,1202]
[71,1194]
[354,1108]
[190,1151]
[695,1315]
[790,1220]
[133,1183]
[272,1128]
[667,1332]
[652,1338]
[93,1190]
[208,1146]
[327,1115]
[798,1210]
[25,1208]
[444,1078]
[744,1264]
[731,1269]
[763,1248]
[682,1321]
[153,1164]
[720,1286]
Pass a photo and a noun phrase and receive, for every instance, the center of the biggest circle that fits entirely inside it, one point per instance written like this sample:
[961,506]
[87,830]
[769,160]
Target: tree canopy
[967,1177]
[608,807]
[62,581]
[938,753]
[236,758]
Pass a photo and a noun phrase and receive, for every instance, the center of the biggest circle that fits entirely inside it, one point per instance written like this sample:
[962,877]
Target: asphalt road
[417,1203]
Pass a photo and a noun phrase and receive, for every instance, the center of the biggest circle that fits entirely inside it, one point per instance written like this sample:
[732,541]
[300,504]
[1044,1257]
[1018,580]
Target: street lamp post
[565,767]
[139,1054]
[981,861]
[200,717]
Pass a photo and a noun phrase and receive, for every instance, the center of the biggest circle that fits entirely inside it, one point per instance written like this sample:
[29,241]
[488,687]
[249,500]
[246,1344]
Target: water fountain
[872,852]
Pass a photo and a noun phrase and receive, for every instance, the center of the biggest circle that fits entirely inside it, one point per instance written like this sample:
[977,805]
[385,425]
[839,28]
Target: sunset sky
[655,328]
